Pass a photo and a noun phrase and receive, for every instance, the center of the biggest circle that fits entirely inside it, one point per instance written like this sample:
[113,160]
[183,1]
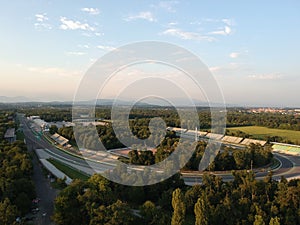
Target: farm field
[263,132]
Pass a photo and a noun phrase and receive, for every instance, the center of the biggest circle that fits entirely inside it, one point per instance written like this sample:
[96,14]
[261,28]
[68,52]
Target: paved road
[44,190]
[290,168]
[91,167]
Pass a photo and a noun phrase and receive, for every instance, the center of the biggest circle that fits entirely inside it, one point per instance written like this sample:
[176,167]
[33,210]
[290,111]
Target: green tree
[119,214]
[53,129]
[274,221]
[99,215]
[201,210]
[258,220]
[8,212]
[68,209]
[151,214]
[178,205]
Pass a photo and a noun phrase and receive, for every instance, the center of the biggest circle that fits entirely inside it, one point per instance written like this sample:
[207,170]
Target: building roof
[10,133]
[55,136]
[59,139]
[40,122]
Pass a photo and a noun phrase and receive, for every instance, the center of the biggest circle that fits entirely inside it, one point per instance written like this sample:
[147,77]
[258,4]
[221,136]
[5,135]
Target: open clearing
[263,132]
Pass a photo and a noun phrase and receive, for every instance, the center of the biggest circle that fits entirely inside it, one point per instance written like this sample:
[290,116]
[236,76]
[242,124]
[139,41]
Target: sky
[250,47]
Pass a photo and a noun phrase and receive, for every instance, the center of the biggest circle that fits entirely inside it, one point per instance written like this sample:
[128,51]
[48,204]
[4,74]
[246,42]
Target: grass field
[263,132]
[69,171]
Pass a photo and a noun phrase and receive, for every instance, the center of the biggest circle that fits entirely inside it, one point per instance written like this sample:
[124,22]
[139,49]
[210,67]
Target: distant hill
[5,99]
[179,102]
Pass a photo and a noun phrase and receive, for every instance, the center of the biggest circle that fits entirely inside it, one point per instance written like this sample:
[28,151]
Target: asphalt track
[289,165]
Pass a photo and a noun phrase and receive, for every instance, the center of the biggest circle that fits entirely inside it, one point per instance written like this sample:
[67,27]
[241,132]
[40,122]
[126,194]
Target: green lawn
[69,171]
[263,132]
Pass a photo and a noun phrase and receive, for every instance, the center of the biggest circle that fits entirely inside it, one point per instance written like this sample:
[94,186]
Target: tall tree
[258,220]
[8,212]
[274,221]
[178,205]
[201,210]
[151,214]
[119,214]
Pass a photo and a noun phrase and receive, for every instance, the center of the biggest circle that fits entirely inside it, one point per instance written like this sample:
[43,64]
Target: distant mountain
[179,102]
[101,102]
[109,102]
[5,99]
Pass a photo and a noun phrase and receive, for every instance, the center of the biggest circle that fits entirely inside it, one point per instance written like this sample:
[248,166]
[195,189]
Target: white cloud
[227,30]
[234,55]
[41,22]
[172,23]
[76,53]
[41,17]
[142,15]
[54,71]
[167,5]
[187,35]
[222,26]
[272,76]
[106,47]
[228,22]
[86,34]
[228,68]
[74,25]
[91,11]
[224,31]
[224,22]
[83,46]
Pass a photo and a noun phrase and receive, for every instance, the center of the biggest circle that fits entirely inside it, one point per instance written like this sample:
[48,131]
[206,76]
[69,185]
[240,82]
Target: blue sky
[251,47]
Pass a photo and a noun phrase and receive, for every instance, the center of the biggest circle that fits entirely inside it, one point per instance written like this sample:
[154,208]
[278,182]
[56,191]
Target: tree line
[242,201]
[229,158]
[16,187]
[235,116]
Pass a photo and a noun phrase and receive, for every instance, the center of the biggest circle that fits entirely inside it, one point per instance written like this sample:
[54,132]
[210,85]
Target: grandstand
[214,136]
[60,140]
[232,139]
[248,141]
[286,148]
[194,132]
[237,141]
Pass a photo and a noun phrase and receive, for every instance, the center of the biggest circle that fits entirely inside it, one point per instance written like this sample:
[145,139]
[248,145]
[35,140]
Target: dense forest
[235,117]
[16,188]
[243,201]
[232,159]
[228,158]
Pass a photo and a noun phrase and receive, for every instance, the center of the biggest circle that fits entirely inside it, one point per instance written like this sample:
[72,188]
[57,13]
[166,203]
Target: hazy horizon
[179,102]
